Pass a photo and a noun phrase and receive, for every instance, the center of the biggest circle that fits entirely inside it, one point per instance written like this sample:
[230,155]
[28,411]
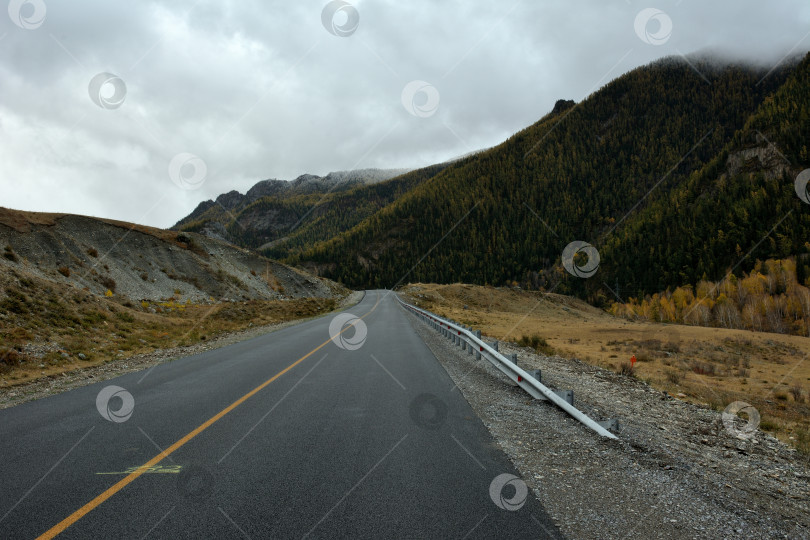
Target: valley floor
[705,366]
[676,471]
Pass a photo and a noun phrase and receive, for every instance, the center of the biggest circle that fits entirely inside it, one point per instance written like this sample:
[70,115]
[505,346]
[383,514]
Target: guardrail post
[538,376]
[495,345]
[513,358]
[477,353]
[609,424]
[567,395]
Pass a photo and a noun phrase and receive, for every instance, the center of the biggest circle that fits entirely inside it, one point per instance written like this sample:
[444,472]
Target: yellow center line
[118,486]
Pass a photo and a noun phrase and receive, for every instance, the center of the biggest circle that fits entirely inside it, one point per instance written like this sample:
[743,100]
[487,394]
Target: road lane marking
[157,469]
[118,486]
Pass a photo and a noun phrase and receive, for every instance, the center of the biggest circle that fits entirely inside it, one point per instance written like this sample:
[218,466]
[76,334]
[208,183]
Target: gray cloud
[261,89]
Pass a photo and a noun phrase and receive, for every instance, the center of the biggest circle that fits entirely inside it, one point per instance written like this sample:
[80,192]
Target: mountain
[63,251]
[676,172]
[672,171]
[213,218]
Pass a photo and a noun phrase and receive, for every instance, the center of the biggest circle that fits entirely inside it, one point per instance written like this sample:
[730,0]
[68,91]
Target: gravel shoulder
[676,471]
[55,384]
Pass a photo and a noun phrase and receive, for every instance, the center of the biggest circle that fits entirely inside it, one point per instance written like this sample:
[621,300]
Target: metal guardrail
[524,379]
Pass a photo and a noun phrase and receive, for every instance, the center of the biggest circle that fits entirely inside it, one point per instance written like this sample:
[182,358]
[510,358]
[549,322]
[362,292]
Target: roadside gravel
[675,472]
[47,386]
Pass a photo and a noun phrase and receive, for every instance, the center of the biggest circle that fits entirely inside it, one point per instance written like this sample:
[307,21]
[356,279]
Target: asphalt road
[288,435]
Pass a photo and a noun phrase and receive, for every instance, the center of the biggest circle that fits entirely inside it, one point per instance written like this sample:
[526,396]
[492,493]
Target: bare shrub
[704,368]
[108,282]
[9,254]
[625,368]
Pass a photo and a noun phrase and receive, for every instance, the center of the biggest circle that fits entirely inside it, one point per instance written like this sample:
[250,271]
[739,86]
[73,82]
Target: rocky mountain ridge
[233,201]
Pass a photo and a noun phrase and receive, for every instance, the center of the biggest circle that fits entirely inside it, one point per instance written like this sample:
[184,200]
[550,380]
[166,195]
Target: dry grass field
[48,329]
[709,366]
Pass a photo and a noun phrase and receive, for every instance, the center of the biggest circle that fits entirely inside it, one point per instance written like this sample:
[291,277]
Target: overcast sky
[203,97]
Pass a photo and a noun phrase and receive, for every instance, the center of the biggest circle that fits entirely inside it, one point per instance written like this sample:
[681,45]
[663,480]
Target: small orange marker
[633,361]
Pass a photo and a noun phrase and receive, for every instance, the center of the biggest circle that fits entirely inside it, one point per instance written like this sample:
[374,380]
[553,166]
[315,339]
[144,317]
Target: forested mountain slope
[739,208]
[640,169]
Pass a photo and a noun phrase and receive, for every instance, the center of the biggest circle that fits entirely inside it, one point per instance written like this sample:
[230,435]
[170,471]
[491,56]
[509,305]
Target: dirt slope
[143,263]
[79,292]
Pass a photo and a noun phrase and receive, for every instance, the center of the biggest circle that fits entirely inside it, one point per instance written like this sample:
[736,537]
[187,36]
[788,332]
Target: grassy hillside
[49,327]
[77,291]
